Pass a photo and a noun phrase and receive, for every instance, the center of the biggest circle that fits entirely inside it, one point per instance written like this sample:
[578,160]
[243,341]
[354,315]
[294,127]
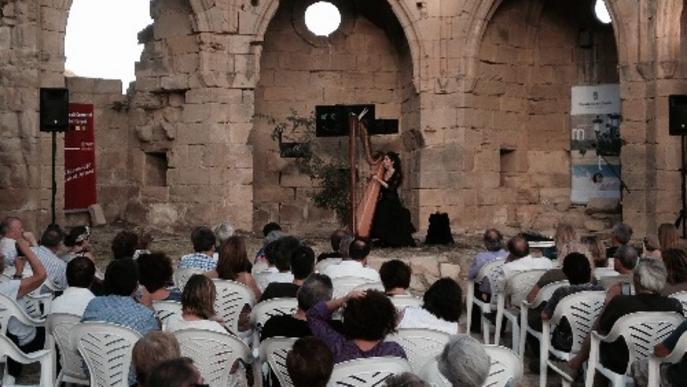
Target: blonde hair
[668,236]
[199,296]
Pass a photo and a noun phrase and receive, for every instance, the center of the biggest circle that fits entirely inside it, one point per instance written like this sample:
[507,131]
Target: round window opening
[322,18]
[601,12]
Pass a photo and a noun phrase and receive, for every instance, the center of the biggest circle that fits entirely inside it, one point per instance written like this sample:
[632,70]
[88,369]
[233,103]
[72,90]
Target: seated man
[620,236]
[46,251]
[27,338]
[124,245]
[302,265]
[518,260]
[203,258]
[309,363]
[493,242]
[335,240]
[279,262]
[356,265]
[441,308]
[12,230]
[395,275]
[315,288]
[74,299]
[625,259]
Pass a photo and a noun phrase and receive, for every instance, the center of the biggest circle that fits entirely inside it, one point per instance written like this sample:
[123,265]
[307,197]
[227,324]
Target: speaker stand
[681,218]
[54,179]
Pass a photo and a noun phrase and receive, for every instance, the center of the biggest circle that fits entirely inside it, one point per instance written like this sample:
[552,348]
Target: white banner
[598,99]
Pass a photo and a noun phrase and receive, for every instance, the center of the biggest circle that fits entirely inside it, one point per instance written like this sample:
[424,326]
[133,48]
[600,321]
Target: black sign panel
[332,120]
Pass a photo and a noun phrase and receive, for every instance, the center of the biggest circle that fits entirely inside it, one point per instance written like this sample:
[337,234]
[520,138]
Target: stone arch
[400,9]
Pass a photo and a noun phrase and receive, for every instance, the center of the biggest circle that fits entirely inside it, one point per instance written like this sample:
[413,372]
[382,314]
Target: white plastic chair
[641,331]
[682,297]
[581,311]
[367,372]
[344,285]
[59,327]
[231,297]
[325,263]
[505,366]
[544,295]
[675,356]
[274,351]
[106,349]
[10,308]
[166,309]
[485,307]
[214,354]
[405,301]
[431,375]
[517,287]
[420,345]
[263,311]
[45,357]
[181,276]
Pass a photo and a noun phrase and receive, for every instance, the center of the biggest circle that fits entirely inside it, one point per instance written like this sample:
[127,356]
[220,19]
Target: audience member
[309,363]
[567,242]
[12,230]
[675,260]
[75,298]
[650,247]
[145,238]
[405,379]
[223,231]
[395,275]
[621,235]
[271,232]
[27,338]
[119,307]
[203,240]
[335,240]
[464,362]
[597,251]
[356,265]
[124,245]
[78,243]
[441,308]
[175,373]
[493,243]
[47,250]
[668,236]
[233,264]
[302,265]
[279,263]
[150,350]
[368,317]
[155,270]
[518,260]
[197,307]
[316,288]
[345,246]
[624,260]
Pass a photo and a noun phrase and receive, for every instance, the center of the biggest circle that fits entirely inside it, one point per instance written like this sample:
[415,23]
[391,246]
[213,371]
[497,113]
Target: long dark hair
[395,158]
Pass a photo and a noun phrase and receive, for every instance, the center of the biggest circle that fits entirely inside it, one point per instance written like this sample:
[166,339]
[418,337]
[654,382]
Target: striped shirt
[54,266]
[198,261]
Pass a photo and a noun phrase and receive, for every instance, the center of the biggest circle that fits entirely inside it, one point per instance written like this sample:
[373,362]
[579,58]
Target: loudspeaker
[54,105]
[677,115]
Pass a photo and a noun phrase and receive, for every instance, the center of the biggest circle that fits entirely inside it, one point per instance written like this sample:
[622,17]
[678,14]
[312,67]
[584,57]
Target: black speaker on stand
[677,126]
[54,118]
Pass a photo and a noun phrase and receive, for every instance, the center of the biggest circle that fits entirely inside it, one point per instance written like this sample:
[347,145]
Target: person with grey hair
[620,235]
[464,362]
[223,231]
[624,262]
[316,288]
[405,379]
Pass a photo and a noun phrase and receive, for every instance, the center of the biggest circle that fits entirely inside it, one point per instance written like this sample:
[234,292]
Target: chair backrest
[10,308]
[263,311]
[402,302]
[44,356]
[519,285]
[642,331]
[581,310]
[60,327]
[487,268]
[325,263]
[343,285]
[682,297]
[181,276]
[505,366]
[214,353]
[274,350]
[547,291]
[106,349]
[367,372]
[420,345]
[431,375]
[166,309]
[231,297]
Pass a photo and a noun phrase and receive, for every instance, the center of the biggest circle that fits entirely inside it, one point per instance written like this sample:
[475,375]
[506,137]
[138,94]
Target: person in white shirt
[12,230]
[441,308]
[279,261]
[27,338]
[519,260]
[356,265]
[197,307]
[75,298]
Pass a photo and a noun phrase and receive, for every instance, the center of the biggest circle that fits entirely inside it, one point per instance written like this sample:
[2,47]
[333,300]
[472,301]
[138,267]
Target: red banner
[79,158]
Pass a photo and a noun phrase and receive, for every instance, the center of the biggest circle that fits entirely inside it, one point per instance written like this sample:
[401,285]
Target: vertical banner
[79,158]
[595,142]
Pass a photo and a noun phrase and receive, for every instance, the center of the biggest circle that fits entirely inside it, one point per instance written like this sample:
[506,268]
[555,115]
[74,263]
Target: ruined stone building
[481,90]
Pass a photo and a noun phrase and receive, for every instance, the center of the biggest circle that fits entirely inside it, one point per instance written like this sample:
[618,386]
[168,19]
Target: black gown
[391,223]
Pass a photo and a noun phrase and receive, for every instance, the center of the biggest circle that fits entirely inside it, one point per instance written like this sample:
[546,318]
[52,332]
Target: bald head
[518,247]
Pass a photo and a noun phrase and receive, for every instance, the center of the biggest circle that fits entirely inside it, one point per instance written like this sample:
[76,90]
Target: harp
[364,210]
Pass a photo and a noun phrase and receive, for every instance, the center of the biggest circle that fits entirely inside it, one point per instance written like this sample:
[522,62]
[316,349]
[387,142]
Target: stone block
[450,270]
[602,205]
[95,211]
[425,266]
[595,225]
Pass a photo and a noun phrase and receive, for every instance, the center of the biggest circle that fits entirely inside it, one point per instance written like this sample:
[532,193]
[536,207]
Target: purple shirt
[482,259]
[342,348]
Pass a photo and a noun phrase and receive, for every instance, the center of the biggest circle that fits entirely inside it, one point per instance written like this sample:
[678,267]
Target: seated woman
[155,271]
[233,264]
[441,309]
[197,307]
[675,260]
[368,317]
